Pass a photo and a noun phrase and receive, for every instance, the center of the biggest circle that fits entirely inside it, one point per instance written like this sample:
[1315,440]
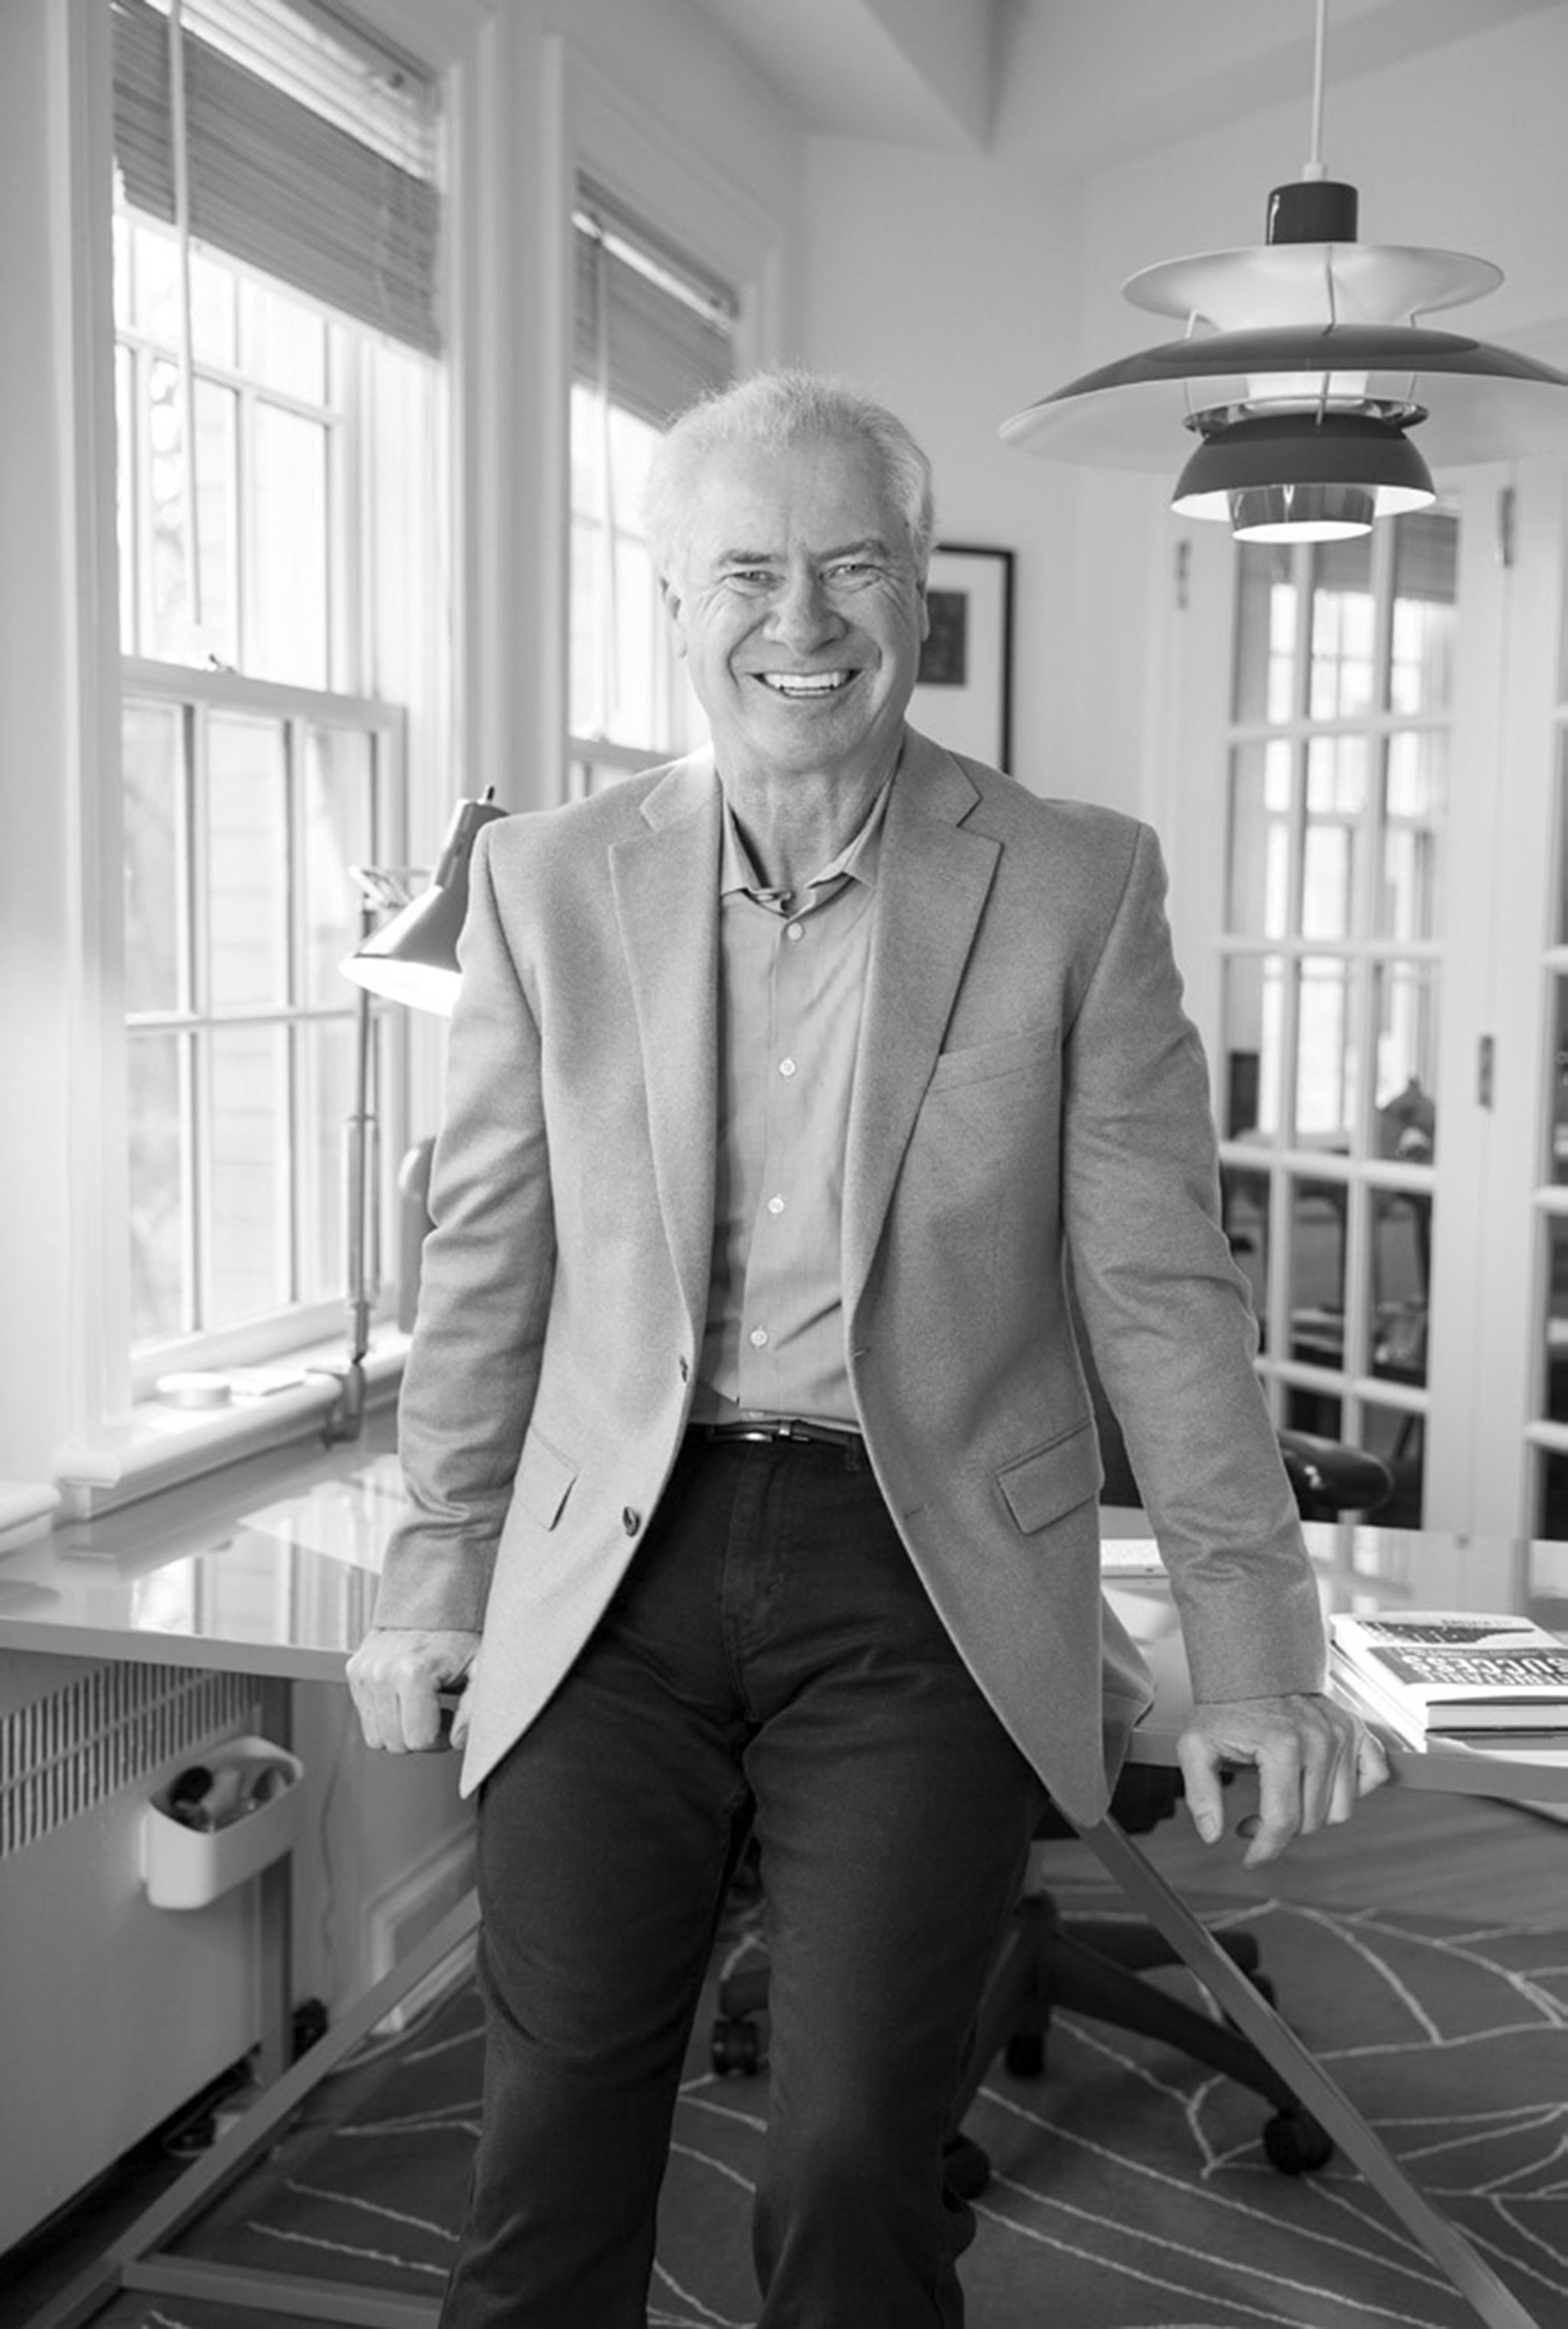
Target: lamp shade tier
[1303,477]
[1477,402]
[1310,283]
[413,958]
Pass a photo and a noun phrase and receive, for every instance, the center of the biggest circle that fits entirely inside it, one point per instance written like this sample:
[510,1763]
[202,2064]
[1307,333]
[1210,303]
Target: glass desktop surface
[268,1567]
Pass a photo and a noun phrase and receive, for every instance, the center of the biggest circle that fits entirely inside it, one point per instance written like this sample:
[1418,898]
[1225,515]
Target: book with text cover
[1454,1673]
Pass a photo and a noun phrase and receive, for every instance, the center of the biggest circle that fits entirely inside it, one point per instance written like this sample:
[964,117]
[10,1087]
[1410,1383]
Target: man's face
[798,609]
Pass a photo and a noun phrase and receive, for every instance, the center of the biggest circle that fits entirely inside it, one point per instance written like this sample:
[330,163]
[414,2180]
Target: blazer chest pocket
[544,1481]
[1055,1480]
[980,1062]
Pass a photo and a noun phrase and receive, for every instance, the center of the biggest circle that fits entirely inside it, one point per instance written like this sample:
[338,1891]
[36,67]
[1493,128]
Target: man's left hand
[1313,1759]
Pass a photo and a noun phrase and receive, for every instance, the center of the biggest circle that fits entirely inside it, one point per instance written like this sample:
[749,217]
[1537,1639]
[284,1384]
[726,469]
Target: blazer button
[631,1521]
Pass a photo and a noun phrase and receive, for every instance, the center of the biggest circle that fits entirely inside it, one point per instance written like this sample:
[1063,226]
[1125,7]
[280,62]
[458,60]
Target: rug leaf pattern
[1128,2187]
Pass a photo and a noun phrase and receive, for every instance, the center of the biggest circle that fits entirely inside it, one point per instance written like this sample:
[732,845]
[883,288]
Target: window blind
[653,328]
[310,150]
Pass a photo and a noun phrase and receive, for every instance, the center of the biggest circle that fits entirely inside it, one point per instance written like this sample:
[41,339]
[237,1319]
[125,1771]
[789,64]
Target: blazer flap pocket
[1055,1480]
[544,1481]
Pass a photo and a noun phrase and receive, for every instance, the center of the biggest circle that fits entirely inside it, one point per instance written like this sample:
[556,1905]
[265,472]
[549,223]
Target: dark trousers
[771,1660]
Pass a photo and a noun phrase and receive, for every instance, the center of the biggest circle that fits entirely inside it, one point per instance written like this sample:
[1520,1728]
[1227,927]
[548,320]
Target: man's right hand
[397,1675]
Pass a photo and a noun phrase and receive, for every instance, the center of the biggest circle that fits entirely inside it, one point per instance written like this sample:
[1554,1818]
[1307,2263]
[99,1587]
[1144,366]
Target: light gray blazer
[1027,1082]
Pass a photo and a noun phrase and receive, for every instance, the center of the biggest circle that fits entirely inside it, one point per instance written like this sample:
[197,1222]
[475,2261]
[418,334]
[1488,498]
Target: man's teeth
[804,683]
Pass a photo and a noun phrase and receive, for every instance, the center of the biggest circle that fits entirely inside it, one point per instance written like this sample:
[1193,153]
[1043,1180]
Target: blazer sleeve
[484,1290]
[1168,1314]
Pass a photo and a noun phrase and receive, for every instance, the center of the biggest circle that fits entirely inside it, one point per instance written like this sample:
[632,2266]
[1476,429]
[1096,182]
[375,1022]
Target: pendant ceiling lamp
[1317,401]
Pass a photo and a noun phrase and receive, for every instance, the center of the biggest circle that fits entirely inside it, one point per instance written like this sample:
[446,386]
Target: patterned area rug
[1128,2189]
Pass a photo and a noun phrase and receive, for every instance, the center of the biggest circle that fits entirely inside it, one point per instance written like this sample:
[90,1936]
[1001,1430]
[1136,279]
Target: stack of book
[1453,1673]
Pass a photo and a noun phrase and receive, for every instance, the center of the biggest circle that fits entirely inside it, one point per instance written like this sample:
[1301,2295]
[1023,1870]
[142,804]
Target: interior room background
[1355,763]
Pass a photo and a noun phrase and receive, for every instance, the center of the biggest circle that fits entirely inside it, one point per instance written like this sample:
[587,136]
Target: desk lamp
[410,958]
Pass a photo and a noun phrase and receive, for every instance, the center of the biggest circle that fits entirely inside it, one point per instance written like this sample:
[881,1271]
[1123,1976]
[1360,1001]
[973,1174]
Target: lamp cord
[1314,168]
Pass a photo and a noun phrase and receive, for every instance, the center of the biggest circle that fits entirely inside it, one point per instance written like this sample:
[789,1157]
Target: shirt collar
[856,861]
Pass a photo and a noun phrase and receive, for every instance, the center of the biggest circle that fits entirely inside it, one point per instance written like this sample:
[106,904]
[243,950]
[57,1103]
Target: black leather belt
[781,1427]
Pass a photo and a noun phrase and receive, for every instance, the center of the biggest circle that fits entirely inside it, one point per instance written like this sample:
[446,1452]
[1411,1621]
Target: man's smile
[805,683]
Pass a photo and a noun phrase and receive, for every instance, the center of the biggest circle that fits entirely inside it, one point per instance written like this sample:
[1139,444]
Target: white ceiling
[1107,78]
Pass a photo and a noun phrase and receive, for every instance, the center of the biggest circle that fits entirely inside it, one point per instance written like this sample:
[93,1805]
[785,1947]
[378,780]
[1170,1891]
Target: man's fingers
[397,1676]
[1201,1788]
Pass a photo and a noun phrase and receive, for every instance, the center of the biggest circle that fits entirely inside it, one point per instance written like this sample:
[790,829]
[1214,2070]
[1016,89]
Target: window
[277,405]
[652,329]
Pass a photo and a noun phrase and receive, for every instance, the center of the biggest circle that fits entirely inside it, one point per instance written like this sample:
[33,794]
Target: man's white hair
[779,409]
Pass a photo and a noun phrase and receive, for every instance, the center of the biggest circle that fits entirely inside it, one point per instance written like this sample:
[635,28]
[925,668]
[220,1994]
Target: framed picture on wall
[964,696]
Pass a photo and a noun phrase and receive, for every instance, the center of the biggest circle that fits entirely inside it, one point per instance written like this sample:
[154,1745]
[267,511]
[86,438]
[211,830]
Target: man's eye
[749,578]
[851,570]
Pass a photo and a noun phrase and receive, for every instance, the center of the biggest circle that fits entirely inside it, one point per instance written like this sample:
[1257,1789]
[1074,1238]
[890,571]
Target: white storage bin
[186,1867]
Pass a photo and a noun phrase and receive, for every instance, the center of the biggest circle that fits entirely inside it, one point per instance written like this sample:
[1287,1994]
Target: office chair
[1096,1966]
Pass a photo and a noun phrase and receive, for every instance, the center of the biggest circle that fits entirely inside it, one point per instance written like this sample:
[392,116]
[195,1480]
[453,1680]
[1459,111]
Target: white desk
[270,1569]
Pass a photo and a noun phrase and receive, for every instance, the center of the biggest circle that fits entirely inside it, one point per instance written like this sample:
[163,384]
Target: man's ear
[924,609]
[672,602]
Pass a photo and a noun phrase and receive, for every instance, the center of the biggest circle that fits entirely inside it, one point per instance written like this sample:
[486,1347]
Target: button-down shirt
[793,969]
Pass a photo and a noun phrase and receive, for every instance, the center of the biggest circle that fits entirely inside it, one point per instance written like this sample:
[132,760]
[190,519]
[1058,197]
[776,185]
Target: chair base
[1081,1965]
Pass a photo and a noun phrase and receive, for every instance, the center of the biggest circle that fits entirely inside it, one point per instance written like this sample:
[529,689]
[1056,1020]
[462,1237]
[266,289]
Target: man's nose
[804,614]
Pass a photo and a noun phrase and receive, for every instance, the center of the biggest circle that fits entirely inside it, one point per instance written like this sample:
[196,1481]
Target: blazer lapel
[665,882]
[933,880]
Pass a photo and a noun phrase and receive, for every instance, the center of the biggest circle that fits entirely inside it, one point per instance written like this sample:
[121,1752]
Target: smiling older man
[753,1465]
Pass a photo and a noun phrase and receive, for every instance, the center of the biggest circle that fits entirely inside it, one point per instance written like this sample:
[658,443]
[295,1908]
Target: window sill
[164,1443]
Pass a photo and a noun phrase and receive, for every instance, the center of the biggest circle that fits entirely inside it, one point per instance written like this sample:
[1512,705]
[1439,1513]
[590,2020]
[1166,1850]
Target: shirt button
[757,1338]
[787,1067]
[776,1204]
[794,933]
[631,1521]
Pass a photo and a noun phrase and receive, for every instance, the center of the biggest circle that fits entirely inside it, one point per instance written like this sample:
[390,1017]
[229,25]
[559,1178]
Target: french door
[1369,856]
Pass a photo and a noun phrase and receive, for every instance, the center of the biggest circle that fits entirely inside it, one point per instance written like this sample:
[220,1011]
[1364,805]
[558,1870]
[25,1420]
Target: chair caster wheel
[736,2046]
[1295,2143]
[965,2169]
[1025,2054]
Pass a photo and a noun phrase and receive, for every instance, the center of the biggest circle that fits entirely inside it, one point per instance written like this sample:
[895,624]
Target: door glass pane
[248,1130]
[248,862]
[1265,652]
[1260,840]
[1421,643]
[1406,1018]
[1344,629]
[157,1106]
[1317,1270]
[1336,807]
[1399,1248]
[1410,837]
[1399,1438]
[1555,1358]
[1244,1206]
[1558,1171]
[1254,1001]
[1325,1102]
[152,768]
[338,831]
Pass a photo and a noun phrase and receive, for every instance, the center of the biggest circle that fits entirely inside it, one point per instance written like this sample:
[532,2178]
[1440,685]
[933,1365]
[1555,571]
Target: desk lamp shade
[1319,401]
[413,958]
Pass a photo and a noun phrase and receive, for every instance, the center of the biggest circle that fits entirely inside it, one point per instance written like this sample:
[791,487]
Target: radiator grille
[64,1753]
